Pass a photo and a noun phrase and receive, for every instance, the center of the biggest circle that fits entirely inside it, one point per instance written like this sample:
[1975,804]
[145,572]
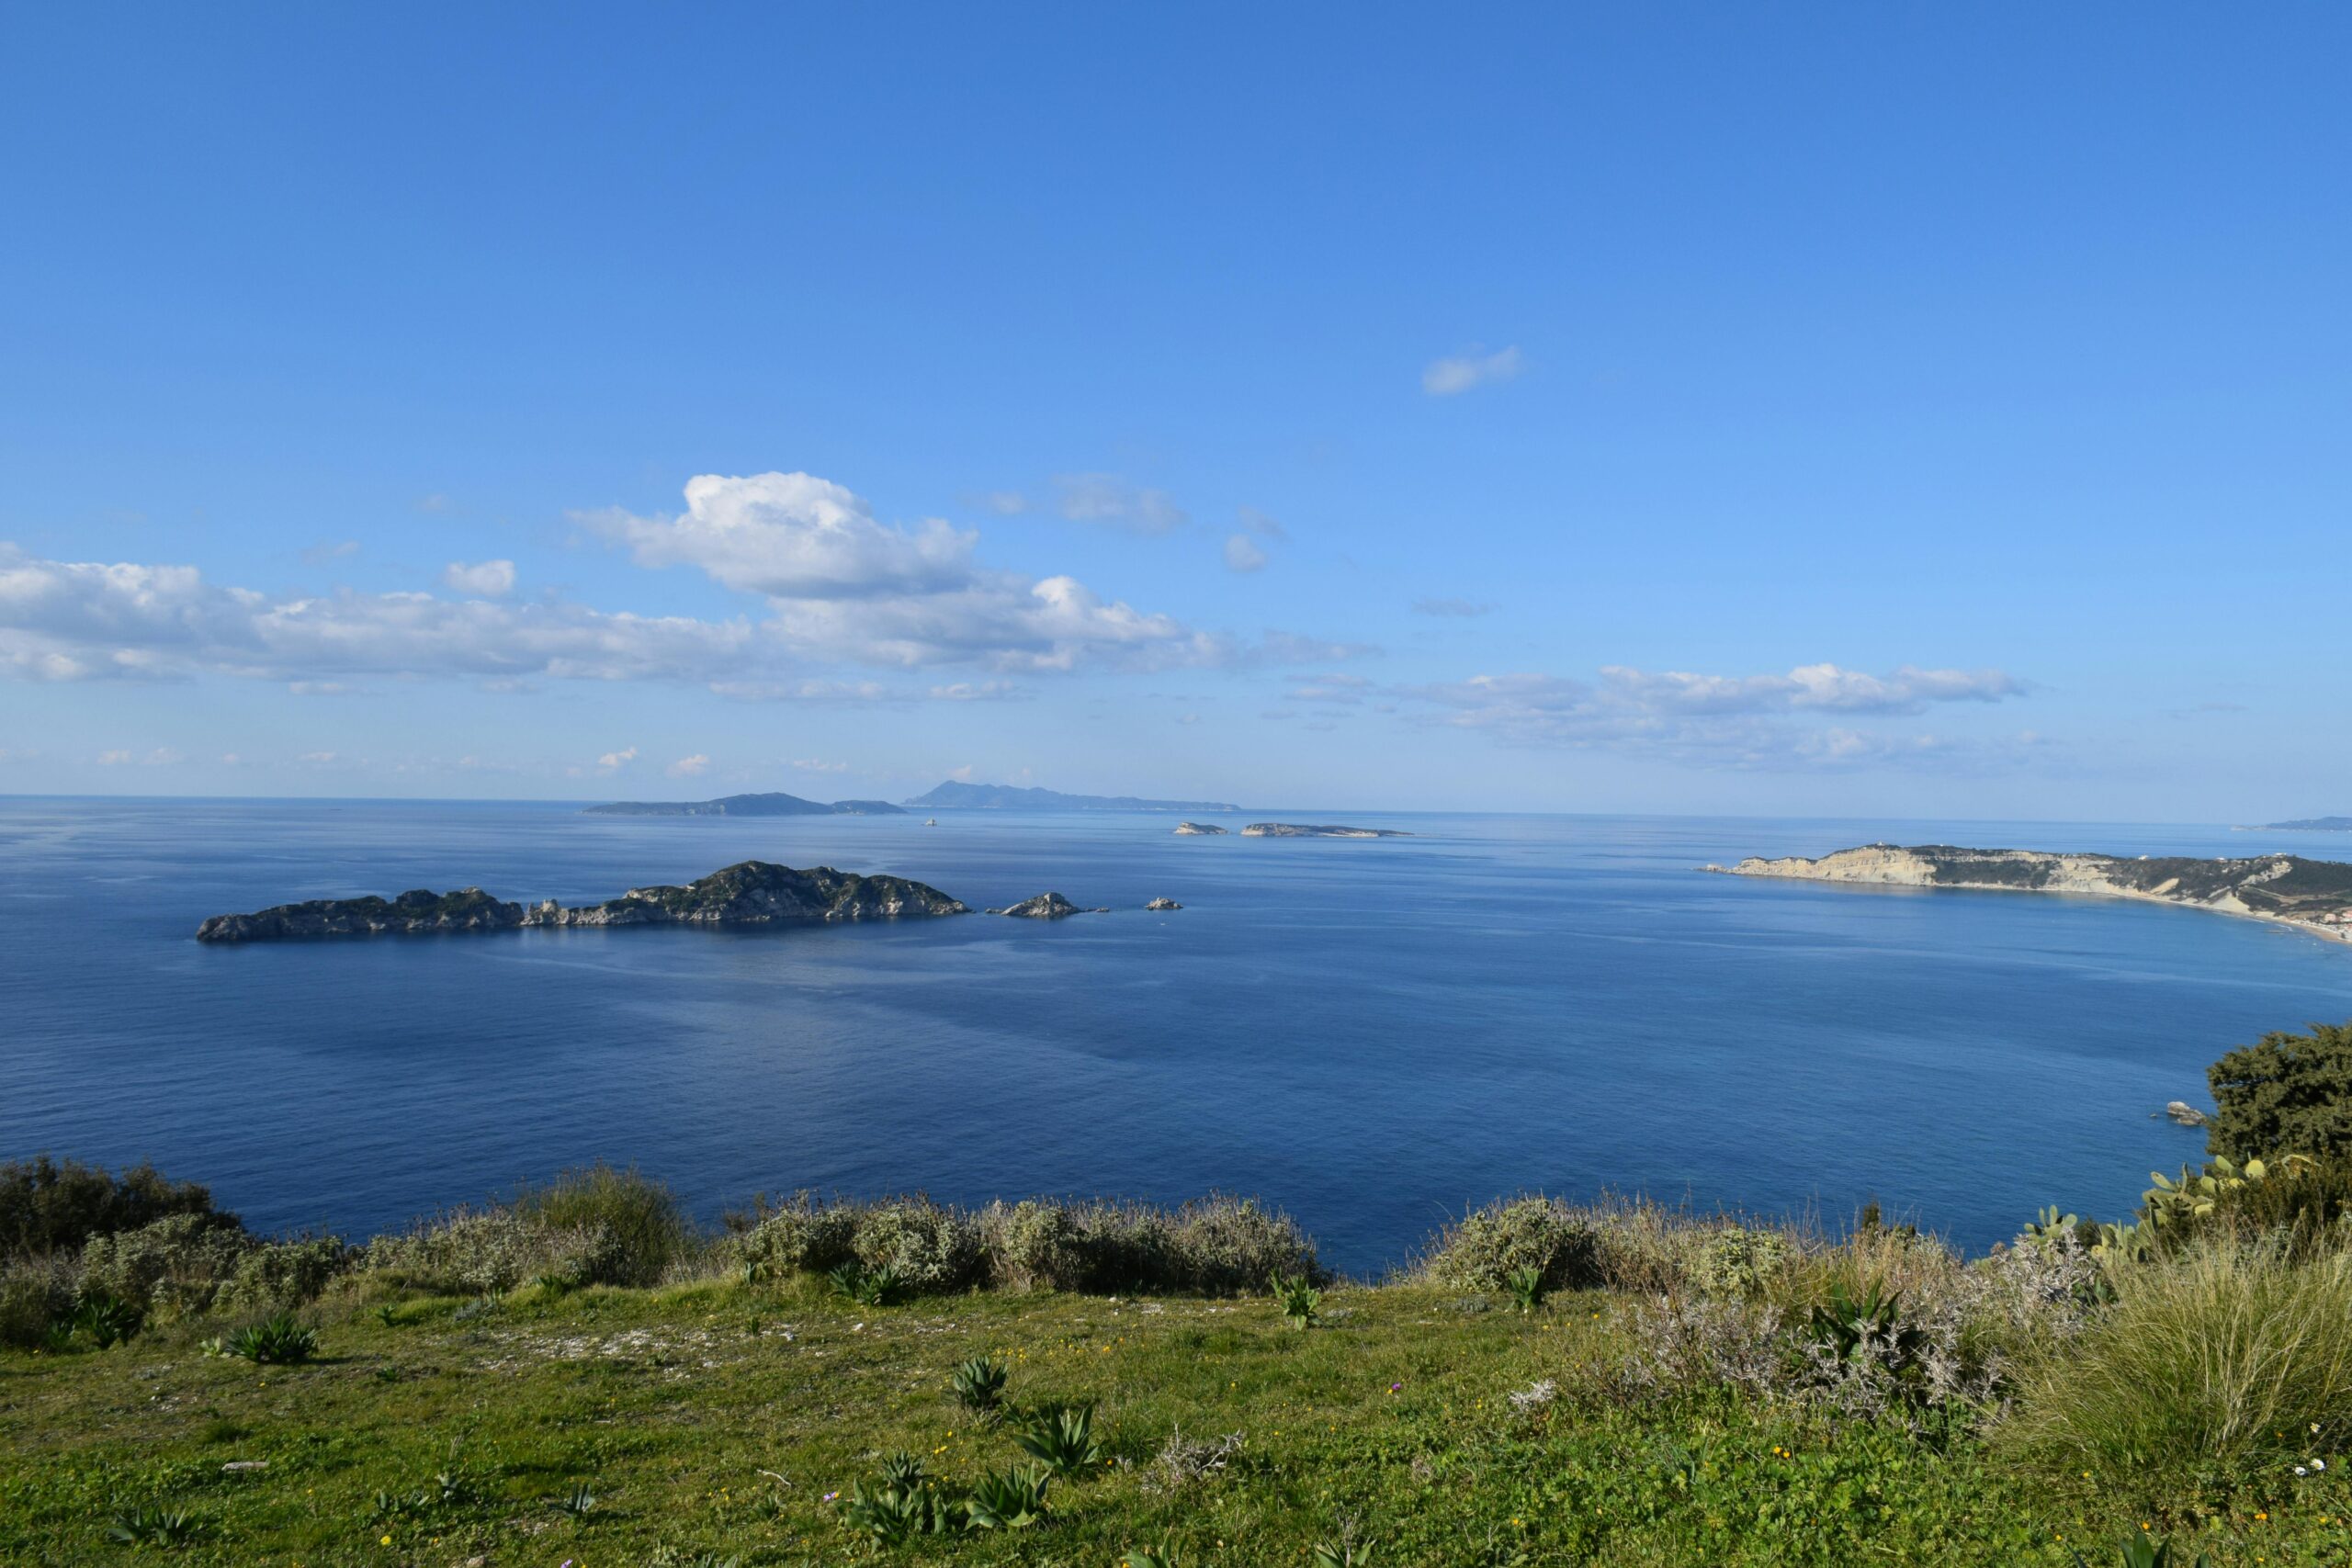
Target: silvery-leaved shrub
[929,1247]
[802,1237]
[482,1251]
[1488,1247]
[1737,1261]
[1229,1246]
[1035,1245]
[35,1294]
[174,1266]
[281,1274]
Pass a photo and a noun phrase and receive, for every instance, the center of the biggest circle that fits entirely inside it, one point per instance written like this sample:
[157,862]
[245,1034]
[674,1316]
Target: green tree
[2285,1094]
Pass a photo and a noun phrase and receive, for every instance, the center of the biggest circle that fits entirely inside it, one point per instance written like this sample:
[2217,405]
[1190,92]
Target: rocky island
[1197,829]
[775,803]
[1309,830]
[2315,895]
[754,893]
[1045,907]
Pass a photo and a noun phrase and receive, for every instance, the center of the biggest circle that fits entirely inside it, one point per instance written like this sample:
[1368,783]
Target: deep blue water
[1371,1034]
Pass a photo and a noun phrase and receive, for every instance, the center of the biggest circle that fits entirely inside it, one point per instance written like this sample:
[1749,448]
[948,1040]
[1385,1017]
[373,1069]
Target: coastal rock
[1194,830]
[2315,895]
[1163,904]
[1315,831]
[417,912]
[758,893]
[2186,1114]
[1043,907]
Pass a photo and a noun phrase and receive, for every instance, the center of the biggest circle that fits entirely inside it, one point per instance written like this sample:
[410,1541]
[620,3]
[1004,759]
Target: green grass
[419,1437]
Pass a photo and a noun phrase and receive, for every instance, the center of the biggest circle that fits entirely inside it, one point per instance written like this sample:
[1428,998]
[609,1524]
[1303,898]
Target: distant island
[1197,829]
[753,893]
[1311,830]
[776,803]
[2306,825]
[2315,895]
[955,796]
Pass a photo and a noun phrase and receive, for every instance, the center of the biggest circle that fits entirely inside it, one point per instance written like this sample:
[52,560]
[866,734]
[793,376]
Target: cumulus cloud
[1458,373]
[839,588]
[1742,721]
[488,580]
[690,767]
[1242,554]
[613,762]
[1109,499]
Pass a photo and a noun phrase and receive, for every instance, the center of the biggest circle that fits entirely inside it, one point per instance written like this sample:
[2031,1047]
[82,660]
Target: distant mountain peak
[953,795]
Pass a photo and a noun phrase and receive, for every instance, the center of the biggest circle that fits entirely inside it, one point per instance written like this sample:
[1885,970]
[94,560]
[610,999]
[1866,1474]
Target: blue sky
[1880,409]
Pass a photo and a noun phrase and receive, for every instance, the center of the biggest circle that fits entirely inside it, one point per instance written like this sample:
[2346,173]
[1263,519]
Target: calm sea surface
[1371,1034]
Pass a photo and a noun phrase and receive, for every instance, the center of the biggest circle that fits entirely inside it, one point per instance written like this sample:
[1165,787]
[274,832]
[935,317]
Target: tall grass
[2227,1352]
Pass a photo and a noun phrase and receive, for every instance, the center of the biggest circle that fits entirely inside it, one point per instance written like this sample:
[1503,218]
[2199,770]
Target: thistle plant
[1300,1301]
[1527,1288]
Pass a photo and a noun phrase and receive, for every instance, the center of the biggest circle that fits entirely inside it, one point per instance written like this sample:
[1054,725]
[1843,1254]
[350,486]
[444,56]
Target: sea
[1374,1036]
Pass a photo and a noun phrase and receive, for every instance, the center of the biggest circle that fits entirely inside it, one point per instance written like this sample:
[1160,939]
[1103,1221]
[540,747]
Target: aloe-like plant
[1527,1287]
[579,1501]
[891,1514]
[279,1338]
[902,1472]
[165,1528]
[1008,1499]
[1300,1301]
[1845,1322]
[1164,1555]
[104,1319]
[1062,1439]
[867,1286]
[980,1383]
[1343,1554]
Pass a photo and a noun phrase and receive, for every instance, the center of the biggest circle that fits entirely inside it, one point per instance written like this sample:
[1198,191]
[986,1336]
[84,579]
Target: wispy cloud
[1241,554]
[1459,373]
[484,579]
[1109,499]
[1455,609]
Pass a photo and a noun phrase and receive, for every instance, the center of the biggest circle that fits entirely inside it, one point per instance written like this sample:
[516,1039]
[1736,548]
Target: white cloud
[487,579]
[1110,500]
[1256,522]
[320,759]
[810,765]
[327,554]
[690,767]
[113,759]
[437,502]
[1004,502]
[793,536]
[1242,555]
[1738,721]
[1460,372]
[613,762]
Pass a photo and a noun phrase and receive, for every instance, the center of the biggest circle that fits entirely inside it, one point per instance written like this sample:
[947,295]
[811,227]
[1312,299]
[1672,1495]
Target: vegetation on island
[580,1373]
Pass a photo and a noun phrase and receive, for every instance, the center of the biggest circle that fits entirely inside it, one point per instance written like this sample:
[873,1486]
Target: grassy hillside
[1693,1392]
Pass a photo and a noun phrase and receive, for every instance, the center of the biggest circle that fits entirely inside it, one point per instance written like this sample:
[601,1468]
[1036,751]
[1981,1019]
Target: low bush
[1036,1247]
[36,1295]
[1736,1260]
[275,1275]
[482,1251]
[803,1237]
[1487,1247]
[928,1247]
[646,1231]
[173,1266]
[49,1206]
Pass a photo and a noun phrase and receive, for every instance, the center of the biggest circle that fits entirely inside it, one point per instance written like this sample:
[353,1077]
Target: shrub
[928,1247]
[277,1340]
[176,1264]
[1737,1261]
[1033,1245]
[47,1206]
[803,1237]
[2285,1093]
[1301,1303]
[1488,1247]
[2224,1353]
[647,1230]
[279,1274]
[36,1294]
[483,1251]
[1224,1247]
